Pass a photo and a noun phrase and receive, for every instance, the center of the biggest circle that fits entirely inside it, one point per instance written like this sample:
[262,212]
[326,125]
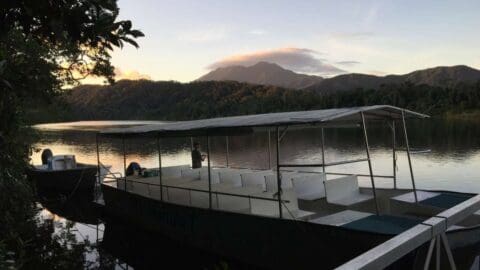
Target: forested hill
[176,101]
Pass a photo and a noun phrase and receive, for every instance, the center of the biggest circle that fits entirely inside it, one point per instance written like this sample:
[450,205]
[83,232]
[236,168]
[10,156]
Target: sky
[186,39]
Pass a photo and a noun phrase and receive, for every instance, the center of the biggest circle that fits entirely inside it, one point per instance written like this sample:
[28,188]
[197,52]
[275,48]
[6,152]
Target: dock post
[394,156]
[98,157]
[323,152]
[408,155]
[367,149]
[98,189]
[226,144]
[124,161]
[209,176]
[279,178]
[160,168]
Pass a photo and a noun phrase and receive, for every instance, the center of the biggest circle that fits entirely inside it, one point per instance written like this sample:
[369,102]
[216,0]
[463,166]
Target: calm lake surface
[452,163]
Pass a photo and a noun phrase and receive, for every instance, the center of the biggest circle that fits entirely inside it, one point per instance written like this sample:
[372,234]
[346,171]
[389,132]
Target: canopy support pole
[269,151]
[279,178]
[394,155]
[209,176]
[367,149]
[160,168]
[323,151]
[408,155]
[226,144]
[124,161]
[191,144]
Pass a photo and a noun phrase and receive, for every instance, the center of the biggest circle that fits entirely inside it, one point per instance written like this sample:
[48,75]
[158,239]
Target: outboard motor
[132,167]
[46,154]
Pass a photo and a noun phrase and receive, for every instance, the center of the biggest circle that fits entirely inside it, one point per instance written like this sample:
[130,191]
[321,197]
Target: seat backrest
[195,173]
[340,188]
[271,181]
[288,194]
[63,162]
[174,171]
[213,175]
[231,176]
[255,179]
[309,184]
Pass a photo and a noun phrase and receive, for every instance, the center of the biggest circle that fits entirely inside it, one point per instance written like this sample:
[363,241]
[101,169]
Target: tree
[45,46]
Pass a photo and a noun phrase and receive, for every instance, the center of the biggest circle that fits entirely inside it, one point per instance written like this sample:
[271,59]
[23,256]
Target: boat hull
[260,241]
[82,178]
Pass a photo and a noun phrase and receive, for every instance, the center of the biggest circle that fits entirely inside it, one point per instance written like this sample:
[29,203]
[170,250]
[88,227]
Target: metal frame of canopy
[239,125]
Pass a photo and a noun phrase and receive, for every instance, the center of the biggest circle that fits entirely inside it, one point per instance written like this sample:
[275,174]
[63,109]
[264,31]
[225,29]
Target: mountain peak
[442,76]
[266,64]
[262,73]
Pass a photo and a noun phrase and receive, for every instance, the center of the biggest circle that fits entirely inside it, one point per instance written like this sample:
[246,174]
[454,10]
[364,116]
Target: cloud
[347,63]
[296,59]
[130,75]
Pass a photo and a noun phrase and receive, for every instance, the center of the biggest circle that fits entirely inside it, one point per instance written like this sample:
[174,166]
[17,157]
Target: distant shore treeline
[181,101]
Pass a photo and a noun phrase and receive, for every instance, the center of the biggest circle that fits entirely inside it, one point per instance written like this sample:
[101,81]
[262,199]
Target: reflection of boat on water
[294,216]
[77,207]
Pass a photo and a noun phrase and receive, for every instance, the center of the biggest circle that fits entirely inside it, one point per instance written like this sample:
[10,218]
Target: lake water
[452,162]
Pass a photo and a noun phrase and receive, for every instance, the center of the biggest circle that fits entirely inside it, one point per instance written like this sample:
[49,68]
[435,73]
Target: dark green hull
[260,241]
[82,178]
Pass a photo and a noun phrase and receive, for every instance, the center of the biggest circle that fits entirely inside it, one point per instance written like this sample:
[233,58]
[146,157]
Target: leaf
[127,25]
[131,41]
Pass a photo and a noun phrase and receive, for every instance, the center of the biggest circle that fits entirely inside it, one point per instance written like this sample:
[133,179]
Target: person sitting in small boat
[134,169]
[46,155]
[197,156]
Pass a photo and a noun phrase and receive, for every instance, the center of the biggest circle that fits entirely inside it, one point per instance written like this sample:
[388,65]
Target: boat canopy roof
[236,125]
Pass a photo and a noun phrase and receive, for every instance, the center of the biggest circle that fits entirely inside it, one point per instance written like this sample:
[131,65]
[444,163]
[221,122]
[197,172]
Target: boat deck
[248,192]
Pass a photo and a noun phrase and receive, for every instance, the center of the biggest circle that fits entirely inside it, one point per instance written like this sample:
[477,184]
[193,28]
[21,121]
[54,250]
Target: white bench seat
[174,171]
[271,181]
[214,177]
[255,179]
[341,218]
[232,176]
[345,191]
[310,186]
[194,173]
[271,208]
[236,203]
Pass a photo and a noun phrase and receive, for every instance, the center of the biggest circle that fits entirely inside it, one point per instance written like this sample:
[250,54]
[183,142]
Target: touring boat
[294,216]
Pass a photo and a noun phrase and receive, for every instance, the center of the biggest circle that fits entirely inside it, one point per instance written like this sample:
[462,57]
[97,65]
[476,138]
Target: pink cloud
[296,59]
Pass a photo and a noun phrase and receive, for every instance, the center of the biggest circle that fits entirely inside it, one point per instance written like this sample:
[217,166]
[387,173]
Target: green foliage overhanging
[44,46]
